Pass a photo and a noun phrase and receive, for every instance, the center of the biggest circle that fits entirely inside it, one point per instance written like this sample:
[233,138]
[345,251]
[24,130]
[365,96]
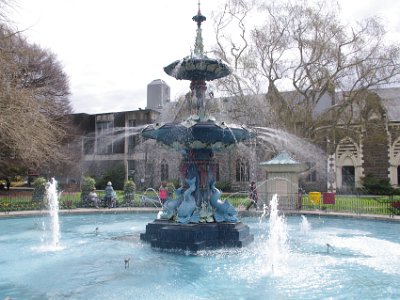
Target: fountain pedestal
[166,234]
[197,218]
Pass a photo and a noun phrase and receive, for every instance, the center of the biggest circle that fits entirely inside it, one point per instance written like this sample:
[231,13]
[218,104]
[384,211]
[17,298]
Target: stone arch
[394,162]
[348,163]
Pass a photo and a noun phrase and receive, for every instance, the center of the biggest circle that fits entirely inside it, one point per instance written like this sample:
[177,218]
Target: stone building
[369,145]
[373,147]
[109,139]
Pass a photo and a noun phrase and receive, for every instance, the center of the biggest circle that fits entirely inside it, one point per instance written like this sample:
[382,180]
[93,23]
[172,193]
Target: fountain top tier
[198,66]
[198,131]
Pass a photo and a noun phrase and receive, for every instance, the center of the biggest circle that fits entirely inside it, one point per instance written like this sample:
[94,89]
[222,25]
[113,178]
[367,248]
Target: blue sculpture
[224,211]
[170,206]
[188,205]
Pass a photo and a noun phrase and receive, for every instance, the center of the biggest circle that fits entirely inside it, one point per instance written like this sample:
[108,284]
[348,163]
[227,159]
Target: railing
[287,202]
[380,205]
[19,201]
[357,205]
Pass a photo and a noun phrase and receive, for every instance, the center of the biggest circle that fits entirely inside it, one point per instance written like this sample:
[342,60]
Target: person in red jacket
[163,193]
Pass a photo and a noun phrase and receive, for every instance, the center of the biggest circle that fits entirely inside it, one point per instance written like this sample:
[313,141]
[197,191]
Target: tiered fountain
[197,218]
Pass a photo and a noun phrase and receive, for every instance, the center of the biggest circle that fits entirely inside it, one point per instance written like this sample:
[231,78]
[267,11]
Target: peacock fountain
[196,218]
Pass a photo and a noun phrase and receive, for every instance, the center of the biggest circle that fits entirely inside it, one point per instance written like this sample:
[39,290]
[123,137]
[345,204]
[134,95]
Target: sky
[111,50]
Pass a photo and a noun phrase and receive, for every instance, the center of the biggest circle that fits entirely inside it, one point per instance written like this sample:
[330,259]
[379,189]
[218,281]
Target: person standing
[163,193]
[253,195]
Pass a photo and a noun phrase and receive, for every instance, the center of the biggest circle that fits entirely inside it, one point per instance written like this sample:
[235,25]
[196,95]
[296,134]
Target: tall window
[398,175]
[348,176]
[164,170]
[131,169]
[312,176]
[132,136]
[242,170]
[104,137]
[88,145]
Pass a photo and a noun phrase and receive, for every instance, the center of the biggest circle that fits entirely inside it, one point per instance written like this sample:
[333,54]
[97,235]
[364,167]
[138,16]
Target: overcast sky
[111,50]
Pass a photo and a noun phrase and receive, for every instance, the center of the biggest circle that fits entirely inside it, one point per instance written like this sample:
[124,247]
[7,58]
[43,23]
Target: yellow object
[314,197]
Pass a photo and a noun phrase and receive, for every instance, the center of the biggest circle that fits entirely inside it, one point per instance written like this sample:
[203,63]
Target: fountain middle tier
[195,133]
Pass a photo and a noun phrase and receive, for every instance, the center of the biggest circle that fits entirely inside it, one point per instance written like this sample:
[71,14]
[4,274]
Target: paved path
[242,213]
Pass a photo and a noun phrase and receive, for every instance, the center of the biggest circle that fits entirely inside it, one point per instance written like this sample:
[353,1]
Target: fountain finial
[198,46]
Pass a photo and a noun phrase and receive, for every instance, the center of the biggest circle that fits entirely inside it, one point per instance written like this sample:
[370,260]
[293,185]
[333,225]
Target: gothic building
[369,147]
[372,146]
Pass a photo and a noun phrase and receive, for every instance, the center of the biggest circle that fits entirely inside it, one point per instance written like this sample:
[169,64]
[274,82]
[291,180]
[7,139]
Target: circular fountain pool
[313,258]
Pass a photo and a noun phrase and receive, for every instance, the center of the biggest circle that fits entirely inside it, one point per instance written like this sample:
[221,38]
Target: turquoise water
[362,262]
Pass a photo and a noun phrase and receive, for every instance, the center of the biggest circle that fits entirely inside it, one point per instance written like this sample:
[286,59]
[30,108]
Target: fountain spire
[198,46]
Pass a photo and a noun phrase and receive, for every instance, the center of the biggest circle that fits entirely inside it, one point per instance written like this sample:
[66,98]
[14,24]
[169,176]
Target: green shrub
[88,184]
[170,189]
[129,190]
[377,186]
[39,191]
[224,186]
[116,175]
[175,183]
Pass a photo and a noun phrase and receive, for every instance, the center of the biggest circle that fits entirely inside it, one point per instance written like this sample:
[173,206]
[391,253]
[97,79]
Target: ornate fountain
[197,218]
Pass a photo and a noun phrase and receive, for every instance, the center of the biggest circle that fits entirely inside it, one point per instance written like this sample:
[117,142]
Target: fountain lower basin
[364,264]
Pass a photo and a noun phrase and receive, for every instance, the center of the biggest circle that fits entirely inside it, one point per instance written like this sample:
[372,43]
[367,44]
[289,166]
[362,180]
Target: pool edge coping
[242,213]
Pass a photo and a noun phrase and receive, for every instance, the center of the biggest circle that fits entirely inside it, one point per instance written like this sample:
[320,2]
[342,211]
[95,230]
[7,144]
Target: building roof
[282,158]
[390,99]
[283,163]
[158,82]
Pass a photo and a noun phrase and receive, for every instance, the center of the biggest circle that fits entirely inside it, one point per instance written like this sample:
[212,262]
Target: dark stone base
[165,234]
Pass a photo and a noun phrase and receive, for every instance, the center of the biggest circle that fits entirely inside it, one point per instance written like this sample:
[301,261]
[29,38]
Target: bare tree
[5,7]
[232,31]
[34,105]
[306,49]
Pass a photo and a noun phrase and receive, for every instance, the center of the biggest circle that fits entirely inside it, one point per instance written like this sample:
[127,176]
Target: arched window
[348,165]
[398,175]
[242,170]
[395,163]
[164,170]
[348,178]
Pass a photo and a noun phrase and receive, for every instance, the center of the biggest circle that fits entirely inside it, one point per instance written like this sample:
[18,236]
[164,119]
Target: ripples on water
[363,261]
